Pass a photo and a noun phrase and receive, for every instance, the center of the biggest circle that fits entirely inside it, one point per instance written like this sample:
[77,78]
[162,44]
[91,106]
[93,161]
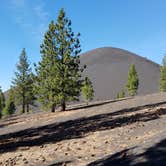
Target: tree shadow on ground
[153,156]
[60,163]
[2,125]
[71,129]
[9,121]
[95,104]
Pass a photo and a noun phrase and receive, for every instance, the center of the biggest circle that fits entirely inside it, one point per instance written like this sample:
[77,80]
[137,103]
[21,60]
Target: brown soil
[127,132]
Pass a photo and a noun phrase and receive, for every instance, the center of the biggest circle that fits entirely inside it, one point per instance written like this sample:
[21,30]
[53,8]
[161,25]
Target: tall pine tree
[59,72]
[23,83]
[133,81]
[163,75]
[2,102]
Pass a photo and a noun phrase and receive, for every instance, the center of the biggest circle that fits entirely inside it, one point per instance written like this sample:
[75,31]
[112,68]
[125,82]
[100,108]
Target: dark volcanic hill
[108,69]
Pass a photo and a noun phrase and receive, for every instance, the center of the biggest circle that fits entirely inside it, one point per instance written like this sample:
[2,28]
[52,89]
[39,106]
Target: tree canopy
[163,75]
[59,71]
[133,81]
[87,90]
[23,82]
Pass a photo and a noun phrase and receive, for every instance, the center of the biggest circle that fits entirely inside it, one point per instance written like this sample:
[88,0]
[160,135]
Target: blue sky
[135,25]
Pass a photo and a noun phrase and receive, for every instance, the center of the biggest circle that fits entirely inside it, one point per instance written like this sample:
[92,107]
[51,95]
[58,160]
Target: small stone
[43,159]
[106,142]
[86,158]
[68,149]
[26,162]
[20,155]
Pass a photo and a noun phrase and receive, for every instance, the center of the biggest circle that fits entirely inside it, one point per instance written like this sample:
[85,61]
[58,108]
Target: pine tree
[87,90]
[10,105]
[133,81]
[2,102]
[59,72]
[23,83]
[30,92]
[163,75]
[121,94]
[117,96]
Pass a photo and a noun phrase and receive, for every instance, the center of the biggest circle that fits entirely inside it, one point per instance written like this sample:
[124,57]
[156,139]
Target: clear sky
[135,25]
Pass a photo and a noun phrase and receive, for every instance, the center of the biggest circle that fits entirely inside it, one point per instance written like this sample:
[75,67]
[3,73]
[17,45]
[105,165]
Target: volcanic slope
[126,132]
[108,69]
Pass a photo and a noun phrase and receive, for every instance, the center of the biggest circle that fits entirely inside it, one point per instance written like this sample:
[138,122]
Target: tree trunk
[53,108]
[87,102]
[23,108]
[63,106]
[23,105]
[27,107]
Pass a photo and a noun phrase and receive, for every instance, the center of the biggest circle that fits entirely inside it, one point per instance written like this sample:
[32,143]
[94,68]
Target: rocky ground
[127,132]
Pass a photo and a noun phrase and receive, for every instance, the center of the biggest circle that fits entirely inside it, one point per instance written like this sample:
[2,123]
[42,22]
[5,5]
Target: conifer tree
[10,105]
[30,92]
[23,83]
[59,72]
[117,96]
[133,81]
[121,94]
[2,102]
[163,75]
[87,90]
